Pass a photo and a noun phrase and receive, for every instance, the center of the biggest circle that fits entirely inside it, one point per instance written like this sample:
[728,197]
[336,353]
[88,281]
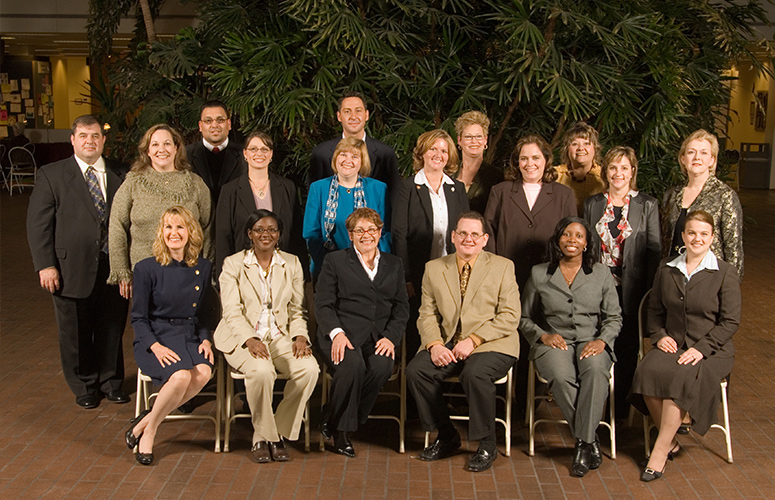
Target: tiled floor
[49,448]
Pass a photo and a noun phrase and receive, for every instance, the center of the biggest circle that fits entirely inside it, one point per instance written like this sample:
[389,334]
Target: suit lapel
[545,197]
[699,278]
[200,162]
[452,278]
[635,218]
[230,162]
[478,274]
[356,267]
[245,195]
[425,201]
[557,280]
[255,280]
[518,198]
[74,177]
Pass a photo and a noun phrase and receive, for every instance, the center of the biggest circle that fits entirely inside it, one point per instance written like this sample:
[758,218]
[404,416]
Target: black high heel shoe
[650,474]
[129,437]
[144,458]
[674,452]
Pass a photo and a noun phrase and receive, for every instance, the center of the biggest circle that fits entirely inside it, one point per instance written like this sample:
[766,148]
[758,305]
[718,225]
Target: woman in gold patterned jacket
[704,191]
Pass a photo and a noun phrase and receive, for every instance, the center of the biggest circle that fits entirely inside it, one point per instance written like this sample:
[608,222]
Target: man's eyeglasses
[474,236]
[209,121]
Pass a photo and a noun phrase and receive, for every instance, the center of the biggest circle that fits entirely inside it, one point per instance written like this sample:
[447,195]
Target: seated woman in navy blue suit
[172,336]
[362,308]
[332,199]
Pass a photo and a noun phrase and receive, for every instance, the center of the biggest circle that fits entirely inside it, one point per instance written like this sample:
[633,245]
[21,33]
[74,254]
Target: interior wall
[741,127]
[69,76]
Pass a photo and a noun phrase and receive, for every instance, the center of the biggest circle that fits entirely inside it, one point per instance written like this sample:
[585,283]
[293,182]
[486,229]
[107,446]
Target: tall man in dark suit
[468,327]
[215,158]
[67,230]
[353,116]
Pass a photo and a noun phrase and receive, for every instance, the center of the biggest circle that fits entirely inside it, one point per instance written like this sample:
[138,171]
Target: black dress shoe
[684,429]
[118,397]
[129,437]
[650,474]
[326,430]
[279,451]
[89,401]
[595,456]
[342,444]
[481,460]
[260,452]
[581,459]
[441,448]
[144,458]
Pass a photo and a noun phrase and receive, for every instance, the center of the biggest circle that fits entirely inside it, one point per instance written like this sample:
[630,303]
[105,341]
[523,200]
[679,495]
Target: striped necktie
[99,204]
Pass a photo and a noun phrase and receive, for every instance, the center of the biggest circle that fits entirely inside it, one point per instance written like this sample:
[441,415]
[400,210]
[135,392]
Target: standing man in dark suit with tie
[353,116]
[67,232]
[215,158]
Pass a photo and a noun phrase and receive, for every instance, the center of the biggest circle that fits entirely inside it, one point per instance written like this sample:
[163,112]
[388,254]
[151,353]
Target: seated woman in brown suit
[693,312]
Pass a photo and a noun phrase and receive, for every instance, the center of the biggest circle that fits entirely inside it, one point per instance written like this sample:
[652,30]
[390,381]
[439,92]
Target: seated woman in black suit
[361,309]
[172,333]
[693,311]
[259,188]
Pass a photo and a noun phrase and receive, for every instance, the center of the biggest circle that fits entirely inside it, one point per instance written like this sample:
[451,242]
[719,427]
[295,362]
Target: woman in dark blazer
[625,226]
[477,175]
[426,208]
[522,213]
[258,188]
[693,311]
[361,309]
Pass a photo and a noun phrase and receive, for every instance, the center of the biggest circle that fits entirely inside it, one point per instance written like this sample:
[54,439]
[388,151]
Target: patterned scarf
[332,205]
[611,248]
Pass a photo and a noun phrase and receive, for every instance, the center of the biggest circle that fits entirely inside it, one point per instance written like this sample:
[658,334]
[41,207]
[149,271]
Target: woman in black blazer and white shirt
[259,188]
[626,228]
[426,208]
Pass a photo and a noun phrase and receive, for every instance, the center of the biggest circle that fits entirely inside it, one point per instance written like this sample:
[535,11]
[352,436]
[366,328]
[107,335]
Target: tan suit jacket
[491,308]
[241,301]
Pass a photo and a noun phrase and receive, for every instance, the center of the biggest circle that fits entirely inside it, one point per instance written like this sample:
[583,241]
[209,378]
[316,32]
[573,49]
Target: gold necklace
[261,192]
[569,281]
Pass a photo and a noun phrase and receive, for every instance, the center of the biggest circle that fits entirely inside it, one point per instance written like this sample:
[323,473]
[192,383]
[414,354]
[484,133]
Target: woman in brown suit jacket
[693,312]
[522,213]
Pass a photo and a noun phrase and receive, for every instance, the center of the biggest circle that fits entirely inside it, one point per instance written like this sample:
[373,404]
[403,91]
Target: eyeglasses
[360,232]
[253,150]
[474,236]
[209,121]
[267,230]
[470,138]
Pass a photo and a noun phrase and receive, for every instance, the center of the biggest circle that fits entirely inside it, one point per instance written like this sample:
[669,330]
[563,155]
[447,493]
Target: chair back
[643,331]
[31,147]
[21,157]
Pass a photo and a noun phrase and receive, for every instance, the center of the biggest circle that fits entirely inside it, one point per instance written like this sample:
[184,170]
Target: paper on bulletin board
[5,88]
[16,108]
[3,78]
[25,84]
[15,98]
[31,113]
[21,118]
[29,103]
[3,132]
[25,94]
[14,85]
[44,98]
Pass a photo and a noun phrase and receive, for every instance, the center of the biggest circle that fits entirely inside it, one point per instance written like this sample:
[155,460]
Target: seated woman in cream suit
[264,332]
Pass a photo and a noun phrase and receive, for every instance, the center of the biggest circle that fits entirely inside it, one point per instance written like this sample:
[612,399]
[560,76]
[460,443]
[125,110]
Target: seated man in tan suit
[468,327]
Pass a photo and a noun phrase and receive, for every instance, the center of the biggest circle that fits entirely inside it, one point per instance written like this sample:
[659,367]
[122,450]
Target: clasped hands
[556,341]
[692,355]
[384,347]
[258,349]
[442,356]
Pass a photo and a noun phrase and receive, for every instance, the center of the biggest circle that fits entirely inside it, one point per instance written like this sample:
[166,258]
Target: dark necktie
[99,204]
[216,149]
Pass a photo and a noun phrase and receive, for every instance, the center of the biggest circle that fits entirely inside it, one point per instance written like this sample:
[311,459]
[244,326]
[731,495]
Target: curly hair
[513,173]
[193,245]
[472,118]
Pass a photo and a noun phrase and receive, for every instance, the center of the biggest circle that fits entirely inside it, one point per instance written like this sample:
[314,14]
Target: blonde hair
[472,118]
[700,135]
[143,161]
[349,145]
[425,142]
[580,130]
[616,153]
[193,245]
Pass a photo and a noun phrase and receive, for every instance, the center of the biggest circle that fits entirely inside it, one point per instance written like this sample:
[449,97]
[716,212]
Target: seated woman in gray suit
[626,228]
[263,332]
[570,318]
[693,311]
[361,308]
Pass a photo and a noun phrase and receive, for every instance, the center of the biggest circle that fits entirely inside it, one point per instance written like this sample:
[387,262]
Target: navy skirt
[178,335]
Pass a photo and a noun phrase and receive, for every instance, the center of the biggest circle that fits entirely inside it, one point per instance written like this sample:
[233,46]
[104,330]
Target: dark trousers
[626,351]
[477,375]
[90,333]
[356,383]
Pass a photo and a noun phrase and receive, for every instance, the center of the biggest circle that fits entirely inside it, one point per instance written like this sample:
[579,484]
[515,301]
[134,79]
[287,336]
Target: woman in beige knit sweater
[160,178]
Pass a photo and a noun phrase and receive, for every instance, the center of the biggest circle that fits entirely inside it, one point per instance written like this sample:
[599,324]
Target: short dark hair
[472,215]
[352,93]
[702,216]
[86,121]
[256,216]
[363,213]
[554,253]
[214,103]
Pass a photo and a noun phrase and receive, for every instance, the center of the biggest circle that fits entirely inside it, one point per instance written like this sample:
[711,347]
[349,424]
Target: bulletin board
[26,96]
